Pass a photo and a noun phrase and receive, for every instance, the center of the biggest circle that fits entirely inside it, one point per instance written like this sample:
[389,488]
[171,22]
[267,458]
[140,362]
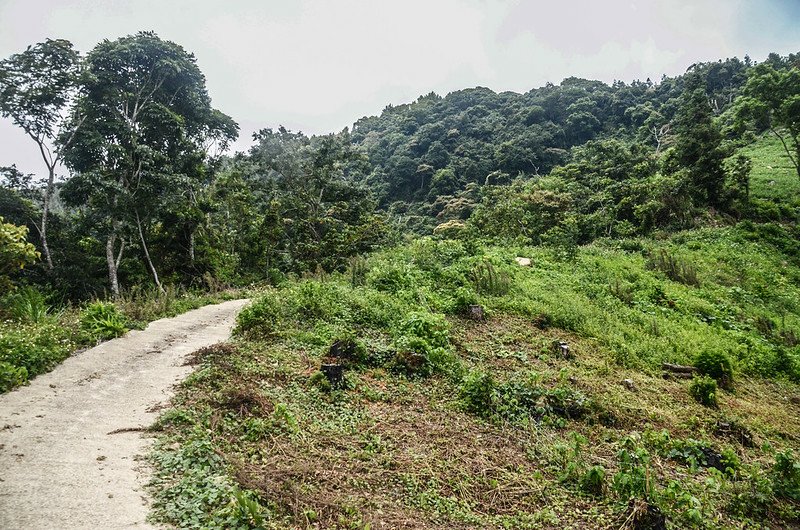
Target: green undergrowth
[774,183]
[36,335]
[444,420]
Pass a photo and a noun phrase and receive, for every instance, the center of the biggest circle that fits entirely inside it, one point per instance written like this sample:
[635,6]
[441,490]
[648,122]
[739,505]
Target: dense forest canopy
[149,193]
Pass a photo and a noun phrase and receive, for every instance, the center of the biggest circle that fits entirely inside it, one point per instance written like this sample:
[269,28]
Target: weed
[357,267]
[478,393]
[243,511]
[27,304]
[103,321]
[261,317]
[634,478]
[488,280]
[423,343]
[675,268]
[704,390]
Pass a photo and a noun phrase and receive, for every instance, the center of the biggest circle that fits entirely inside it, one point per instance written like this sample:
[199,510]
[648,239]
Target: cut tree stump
[476,312]
[334,373]
[561,349]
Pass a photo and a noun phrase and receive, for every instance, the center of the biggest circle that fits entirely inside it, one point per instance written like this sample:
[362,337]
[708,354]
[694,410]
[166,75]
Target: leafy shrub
[314,300]
[520,397]
[15,251]
[391,277]
[348,349]
[593,480]
[786,476]
[704,390]
[463,299]
[753,494]
[715,364]
[563,239]
[429,327]
[11,376]
[478,393]
[730,461]
[423,343]
[696,454]
[103,321]
[260,318]
[567,402]
[633,478]
[36,348]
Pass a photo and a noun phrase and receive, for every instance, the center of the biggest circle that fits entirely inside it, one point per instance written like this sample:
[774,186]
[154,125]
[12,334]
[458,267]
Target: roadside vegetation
[36,334]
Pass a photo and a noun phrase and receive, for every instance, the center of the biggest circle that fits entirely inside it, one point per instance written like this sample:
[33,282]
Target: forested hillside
[573,307]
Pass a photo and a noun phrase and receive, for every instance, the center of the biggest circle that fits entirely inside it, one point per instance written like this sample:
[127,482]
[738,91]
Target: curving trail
[62,465]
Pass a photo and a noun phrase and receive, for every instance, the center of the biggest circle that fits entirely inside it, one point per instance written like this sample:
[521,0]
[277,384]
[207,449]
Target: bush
[704,390]
[478,393]
[391,277]
[103,321]
[15,252]
[633,480]
[11,376]
[715,364]
[463,299]
[348,349]
[261,317]
[27,350]
[593,481]
[786,476]
[431,328]
[423,343]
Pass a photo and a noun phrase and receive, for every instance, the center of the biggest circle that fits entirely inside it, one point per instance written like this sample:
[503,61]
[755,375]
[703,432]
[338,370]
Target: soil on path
[70,441]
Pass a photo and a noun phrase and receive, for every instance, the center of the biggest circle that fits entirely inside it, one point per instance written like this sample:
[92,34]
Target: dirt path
[60,465]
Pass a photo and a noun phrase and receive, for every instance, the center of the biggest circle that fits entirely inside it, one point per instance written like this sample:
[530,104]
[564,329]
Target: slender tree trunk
[191,246]
[48,194]
[795,161]
[112,264]
[147,254]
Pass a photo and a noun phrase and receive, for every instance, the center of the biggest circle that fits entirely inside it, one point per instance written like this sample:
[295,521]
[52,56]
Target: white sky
[318,66]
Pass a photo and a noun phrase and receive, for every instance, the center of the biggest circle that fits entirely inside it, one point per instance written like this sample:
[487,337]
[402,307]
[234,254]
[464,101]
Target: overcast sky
[318,66]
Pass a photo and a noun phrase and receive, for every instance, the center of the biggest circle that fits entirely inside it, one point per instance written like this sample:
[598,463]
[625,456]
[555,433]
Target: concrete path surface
[69,444]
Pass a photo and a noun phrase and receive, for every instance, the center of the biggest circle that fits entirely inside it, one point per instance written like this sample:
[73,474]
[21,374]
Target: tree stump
[334,373]
[476,312]
[561,349]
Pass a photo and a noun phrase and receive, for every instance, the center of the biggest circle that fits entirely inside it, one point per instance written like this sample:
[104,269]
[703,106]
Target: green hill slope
[446,421]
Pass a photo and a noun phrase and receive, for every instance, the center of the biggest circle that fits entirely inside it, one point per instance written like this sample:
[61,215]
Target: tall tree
[771,99]
[37,87]
[698,145]
[148,122]
[328,216]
